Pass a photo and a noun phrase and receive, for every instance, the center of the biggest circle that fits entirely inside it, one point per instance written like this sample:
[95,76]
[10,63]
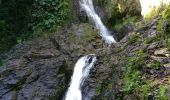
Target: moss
[156,38]
[120,49]
[98,88]
[118,26]
[155,64]
[132,81]
[90,34]
[145,90]
[72,37]
[128,20]
[133,75]
[162,93]
[133,38]
[167,43]
[109,86]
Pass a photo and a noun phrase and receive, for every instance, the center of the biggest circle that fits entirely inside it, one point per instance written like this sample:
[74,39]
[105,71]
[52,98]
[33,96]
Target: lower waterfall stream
[81,72]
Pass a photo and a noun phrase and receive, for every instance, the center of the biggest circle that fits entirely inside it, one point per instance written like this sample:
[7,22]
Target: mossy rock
[133,38]
[90,33]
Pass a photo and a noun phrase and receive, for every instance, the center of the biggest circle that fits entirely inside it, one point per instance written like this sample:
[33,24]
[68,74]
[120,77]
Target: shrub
[49,13]
[23,19]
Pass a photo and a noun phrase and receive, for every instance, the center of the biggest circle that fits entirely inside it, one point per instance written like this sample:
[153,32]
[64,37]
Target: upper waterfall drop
[87,6]
[81,72]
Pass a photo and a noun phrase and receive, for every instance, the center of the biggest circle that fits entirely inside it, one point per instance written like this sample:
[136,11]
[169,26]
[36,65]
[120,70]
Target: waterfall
[81,72]
[87,6]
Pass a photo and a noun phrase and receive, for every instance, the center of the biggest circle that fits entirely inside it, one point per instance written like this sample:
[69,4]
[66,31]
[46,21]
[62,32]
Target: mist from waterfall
[81,72]
[87,6]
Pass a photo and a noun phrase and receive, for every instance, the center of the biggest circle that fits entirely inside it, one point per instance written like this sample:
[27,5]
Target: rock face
[35,74]
[40,69]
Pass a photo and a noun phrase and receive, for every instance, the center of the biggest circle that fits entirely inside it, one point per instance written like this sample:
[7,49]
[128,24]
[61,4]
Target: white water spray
[87,5]
[81,72]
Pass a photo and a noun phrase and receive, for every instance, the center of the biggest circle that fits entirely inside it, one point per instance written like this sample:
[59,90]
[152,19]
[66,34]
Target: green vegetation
[167,43]
[128,20]
[133,38]
[24,19]
[120,49]
[165,12]
[116,8]
[163,27]
[132,75]
[152,14]
[162,93]
[155,64]
[49,13]
[145,89]
[153,39]
[90,34]
[135,80]
[120,14]
[1,63]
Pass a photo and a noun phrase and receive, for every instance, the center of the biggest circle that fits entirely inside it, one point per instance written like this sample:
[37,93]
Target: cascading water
[81,72]
[87,5]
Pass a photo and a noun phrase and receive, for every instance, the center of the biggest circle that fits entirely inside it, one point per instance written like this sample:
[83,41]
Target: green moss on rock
[133,38]
[155,64]
[133,75]
[161,94]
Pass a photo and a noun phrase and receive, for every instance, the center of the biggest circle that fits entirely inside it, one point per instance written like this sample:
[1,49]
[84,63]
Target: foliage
[163,27]
[167,42]
[121,7]
[120,49]
[2,62]
[13,21]
[156,38]
[132,75]
[133,38]
[122,25]
[155,64]
[152,14]
[132,81]
[23,19]
[146,89]
[162,93]
[6,37]
[165,12]
[128,20]
[48,13]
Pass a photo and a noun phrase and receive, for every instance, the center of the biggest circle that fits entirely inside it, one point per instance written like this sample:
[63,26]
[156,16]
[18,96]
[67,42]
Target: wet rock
[101,12]
[10,96]
[167,66]
[153,45]
[162,52]
[161,59]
